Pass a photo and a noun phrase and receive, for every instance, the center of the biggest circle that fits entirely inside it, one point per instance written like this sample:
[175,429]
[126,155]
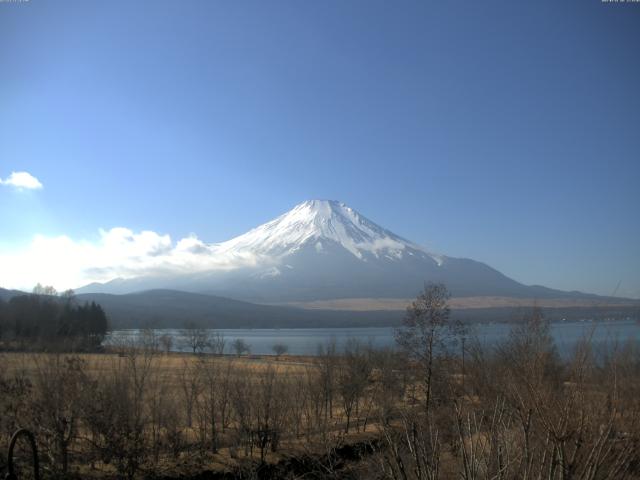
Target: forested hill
[173,309]
[39,319]
[6,295]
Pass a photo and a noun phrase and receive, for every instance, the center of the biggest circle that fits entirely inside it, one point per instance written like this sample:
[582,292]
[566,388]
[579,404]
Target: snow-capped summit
[320,223]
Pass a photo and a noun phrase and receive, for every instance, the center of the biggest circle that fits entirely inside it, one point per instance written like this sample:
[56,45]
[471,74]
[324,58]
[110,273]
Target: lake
[305,341]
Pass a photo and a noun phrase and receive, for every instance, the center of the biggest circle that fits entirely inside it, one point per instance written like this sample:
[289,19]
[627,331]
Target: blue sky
[507,132]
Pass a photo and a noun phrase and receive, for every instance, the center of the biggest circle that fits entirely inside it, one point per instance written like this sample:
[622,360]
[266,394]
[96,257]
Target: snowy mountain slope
[316,222]
[323,249]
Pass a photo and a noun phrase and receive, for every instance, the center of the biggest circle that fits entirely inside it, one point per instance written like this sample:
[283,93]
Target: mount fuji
[324,250]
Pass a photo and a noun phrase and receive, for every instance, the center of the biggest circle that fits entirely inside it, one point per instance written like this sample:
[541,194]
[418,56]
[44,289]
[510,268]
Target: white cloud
[22,180]
[118,253]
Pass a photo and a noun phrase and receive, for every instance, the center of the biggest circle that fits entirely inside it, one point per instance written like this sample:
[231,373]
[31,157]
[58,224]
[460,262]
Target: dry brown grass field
[171,363]
[183,384]
[515,410]
[401,304]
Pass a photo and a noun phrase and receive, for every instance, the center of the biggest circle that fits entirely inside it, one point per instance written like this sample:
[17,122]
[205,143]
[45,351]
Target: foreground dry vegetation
[514,410]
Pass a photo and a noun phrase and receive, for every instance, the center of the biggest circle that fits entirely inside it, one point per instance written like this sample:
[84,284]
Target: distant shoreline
[369,327]
[458,303]
[306,341]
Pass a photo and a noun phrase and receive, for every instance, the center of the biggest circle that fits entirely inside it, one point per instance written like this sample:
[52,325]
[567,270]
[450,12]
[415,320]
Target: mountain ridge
[323,250]
[176,309]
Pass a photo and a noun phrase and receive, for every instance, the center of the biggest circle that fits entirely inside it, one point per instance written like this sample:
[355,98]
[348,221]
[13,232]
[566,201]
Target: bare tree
[166,341]
[427,329]
[327,360]
[391,382]
[271,407]
[115,414]
[196,339]
[217,343]
[213,389]
[353,377]
[56,405]
[190,387]
[240,346]
[148,340]
[48,290]
[279,349]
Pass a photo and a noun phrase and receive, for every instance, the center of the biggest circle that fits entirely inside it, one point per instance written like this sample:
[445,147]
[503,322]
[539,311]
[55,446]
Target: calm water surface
[305,341]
